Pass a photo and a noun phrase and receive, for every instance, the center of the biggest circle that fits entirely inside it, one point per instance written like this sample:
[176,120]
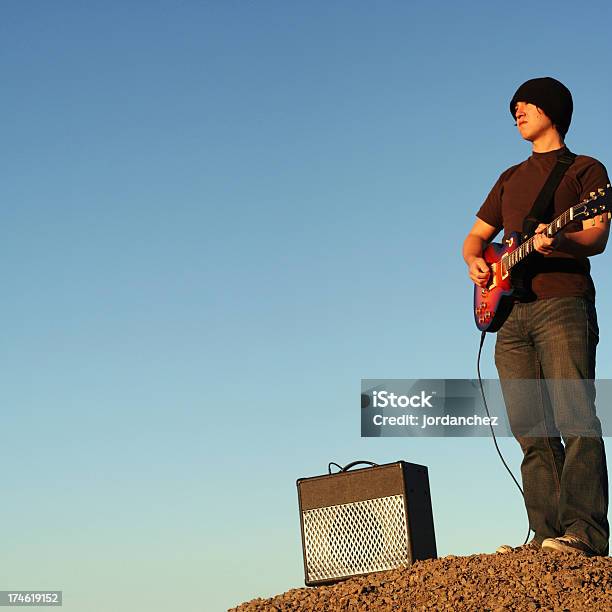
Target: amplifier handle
[354,463]
[349,466]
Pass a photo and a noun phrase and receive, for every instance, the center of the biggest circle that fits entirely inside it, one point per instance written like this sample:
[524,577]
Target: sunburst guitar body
[493,303]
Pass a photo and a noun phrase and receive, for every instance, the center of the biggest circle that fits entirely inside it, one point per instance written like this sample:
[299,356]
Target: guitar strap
[545,196]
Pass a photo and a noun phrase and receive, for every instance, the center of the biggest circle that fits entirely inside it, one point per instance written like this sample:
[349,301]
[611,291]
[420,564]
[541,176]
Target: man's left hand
[542,243]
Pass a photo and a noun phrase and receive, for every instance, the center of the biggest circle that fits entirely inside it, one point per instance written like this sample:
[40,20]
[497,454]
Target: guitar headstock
[598,203]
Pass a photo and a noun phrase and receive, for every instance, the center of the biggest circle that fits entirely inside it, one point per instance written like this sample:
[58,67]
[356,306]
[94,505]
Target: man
[551,333]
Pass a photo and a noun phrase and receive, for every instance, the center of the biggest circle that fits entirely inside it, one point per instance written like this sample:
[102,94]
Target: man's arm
[591,240]
[473,245]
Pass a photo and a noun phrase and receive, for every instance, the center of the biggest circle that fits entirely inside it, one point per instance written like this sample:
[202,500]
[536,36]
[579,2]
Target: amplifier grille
[355,538]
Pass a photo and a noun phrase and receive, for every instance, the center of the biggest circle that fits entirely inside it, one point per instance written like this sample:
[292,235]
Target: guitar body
[493,303]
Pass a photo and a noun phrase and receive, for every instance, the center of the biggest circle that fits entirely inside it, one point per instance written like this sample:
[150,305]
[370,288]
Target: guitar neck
[527,247]
[597,204]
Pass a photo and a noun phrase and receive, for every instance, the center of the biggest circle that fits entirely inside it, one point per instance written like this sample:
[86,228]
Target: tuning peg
[601,191]
[592,195]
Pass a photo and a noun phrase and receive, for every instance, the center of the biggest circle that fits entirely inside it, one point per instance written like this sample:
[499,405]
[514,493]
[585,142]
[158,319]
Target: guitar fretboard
[552,228]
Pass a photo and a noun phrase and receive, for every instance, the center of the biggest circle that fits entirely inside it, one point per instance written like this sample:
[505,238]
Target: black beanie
[553,97]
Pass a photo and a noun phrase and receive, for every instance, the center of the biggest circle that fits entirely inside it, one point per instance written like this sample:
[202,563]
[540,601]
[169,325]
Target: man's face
[531,121]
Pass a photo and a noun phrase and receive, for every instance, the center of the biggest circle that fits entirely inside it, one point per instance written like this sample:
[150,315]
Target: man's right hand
[473,245]
[479,271]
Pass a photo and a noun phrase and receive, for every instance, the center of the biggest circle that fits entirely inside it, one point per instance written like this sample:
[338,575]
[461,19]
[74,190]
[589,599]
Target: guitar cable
[484,400]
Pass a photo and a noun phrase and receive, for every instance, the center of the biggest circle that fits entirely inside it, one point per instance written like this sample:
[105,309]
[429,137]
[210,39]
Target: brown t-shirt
[511,199]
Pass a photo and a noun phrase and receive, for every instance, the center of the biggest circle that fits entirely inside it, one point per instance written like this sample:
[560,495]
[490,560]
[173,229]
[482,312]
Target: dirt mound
[520,580]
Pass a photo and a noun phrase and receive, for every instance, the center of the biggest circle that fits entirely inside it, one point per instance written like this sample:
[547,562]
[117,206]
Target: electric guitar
[493,303]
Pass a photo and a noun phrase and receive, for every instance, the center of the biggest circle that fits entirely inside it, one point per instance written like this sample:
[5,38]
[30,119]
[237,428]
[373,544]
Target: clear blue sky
[217,218]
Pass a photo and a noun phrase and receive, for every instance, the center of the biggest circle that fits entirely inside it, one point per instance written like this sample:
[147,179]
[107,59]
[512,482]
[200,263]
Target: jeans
[565,484]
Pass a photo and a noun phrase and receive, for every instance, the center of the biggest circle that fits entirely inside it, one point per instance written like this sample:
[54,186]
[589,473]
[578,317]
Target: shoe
[506,548]
[567,544]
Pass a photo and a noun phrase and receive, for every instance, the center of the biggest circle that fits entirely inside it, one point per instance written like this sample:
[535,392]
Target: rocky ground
[520,580]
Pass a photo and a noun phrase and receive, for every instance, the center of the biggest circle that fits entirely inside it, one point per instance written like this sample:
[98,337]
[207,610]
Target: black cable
[332,463]
[484,400]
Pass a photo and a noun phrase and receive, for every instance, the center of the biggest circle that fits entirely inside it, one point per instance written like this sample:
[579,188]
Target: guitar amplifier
[366,520]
